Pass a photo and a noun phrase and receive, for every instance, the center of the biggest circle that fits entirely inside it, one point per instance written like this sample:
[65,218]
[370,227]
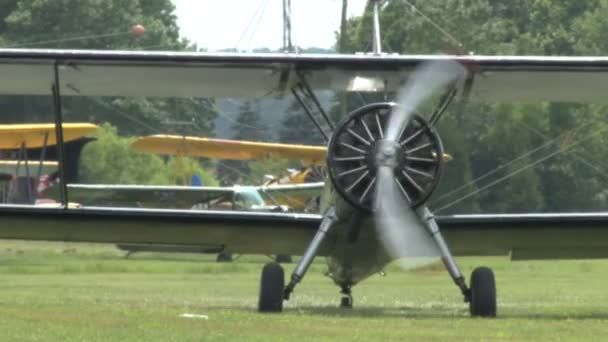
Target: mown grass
[64,292]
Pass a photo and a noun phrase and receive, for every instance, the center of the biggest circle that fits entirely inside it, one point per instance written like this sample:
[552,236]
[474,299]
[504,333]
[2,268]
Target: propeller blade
[399,227]
[424,82]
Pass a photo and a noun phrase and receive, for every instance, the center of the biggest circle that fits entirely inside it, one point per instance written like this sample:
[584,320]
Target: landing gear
[483,293]
[481,296]
[224,257]
[347,298]
[271,288]
[311,251]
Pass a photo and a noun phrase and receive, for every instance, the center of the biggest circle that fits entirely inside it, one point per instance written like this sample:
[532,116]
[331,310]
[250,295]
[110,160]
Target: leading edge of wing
[528,236]
[173,74]
[228,149]
[234,231]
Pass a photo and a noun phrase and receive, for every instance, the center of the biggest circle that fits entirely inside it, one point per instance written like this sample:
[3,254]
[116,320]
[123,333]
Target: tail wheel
[353,151]
[271,288]
[483,293]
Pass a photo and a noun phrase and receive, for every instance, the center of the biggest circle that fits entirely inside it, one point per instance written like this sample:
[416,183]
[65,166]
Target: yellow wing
[229,149]
[32,135]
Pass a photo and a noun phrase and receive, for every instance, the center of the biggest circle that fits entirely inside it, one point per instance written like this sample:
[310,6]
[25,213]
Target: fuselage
[354,251]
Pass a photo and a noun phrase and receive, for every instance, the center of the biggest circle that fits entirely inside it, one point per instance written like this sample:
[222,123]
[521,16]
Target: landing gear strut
[311,251]
[481,296]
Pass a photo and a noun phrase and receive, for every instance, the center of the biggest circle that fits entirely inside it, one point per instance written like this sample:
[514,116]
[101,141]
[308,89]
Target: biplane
[26,179]
[236,197]
[380,161]
[284,194]
[311,158]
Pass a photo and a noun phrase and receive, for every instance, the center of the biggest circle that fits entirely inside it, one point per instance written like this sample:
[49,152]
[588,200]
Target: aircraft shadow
[422,313]
[439,313]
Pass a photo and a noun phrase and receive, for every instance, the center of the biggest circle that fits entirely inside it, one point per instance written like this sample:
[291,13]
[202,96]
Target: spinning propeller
[399,227]
[389,147]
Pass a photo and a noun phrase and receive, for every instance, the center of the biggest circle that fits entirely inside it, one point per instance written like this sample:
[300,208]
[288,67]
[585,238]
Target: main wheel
[224,257]
[271,288]
[483,293]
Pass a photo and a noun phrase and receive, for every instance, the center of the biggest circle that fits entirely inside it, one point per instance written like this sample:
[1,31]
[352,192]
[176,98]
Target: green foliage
[111,160]
[61,24]
[248,127]
[297,128]
[104,25]
[181,169]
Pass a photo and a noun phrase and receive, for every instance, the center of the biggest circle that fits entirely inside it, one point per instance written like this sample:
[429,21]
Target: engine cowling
[352,157]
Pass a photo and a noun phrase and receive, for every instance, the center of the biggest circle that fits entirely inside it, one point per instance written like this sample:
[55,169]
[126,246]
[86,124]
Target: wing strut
[302,92]
[445,101]
[310,114]
[63,190]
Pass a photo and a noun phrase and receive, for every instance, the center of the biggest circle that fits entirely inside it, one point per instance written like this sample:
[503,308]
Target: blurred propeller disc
[400,229]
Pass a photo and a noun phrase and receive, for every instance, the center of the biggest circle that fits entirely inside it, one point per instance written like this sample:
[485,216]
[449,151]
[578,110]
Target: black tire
[283,259]
[224,257]
[271,288]
[346,302]
[483,293]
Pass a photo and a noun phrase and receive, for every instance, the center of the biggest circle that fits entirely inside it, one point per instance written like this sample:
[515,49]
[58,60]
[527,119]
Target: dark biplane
[383,160]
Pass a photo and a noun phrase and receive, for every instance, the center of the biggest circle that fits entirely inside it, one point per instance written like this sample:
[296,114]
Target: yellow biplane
[277,191]
[229,149]
[26,179]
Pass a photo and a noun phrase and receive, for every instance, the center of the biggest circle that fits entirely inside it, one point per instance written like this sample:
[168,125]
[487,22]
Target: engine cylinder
[353,156]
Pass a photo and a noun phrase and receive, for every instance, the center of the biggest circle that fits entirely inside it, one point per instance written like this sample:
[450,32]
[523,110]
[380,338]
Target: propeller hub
[386,153]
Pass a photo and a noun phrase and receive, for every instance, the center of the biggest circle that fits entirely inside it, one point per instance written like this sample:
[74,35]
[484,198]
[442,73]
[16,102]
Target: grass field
[82,292]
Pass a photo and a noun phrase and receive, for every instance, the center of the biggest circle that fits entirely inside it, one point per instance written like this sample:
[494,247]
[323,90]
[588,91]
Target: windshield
[247,198]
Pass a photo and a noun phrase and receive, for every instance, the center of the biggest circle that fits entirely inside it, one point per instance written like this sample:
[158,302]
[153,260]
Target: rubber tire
[224,257]
[283,259]
[483,293]
[272,285]
[346,302]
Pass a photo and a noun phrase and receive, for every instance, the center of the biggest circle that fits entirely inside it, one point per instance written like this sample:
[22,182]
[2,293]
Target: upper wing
[228,149]
[33,135]
[169,74]
[149,195]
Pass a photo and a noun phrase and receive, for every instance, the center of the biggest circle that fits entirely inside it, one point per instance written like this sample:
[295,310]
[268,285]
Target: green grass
[78,292]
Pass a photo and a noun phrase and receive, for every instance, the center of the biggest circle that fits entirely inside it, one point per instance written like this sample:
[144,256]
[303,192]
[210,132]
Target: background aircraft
[380,158]
[29,178]
[285,194]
